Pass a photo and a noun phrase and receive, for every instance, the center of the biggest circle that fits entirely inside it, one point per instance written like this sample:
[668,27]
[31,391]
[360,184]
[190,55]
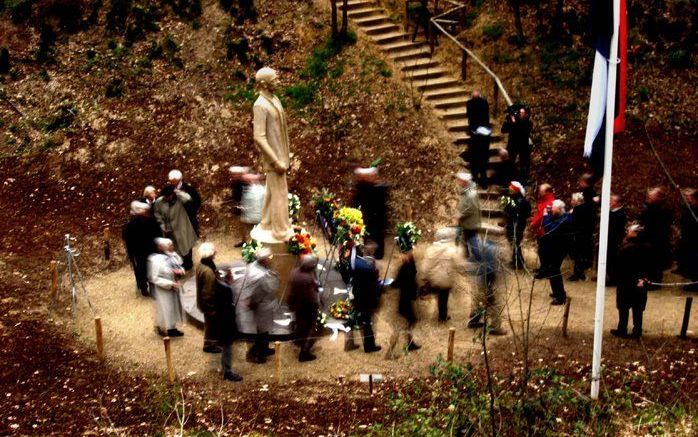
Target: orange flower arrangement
[301,243]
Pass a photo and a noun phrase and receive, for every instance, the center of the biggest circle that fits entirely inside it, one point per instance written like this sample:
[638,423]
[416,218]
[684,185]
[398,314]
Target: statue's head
[267,78]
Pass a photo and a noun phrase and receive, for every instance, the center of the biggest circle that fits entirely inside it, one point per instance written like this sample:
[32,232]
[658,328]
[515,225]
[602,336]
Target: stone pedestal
[282,262]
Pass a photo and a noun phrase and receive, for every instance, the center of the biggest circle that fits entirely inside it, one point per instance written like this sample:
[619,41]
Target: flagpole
[605,205]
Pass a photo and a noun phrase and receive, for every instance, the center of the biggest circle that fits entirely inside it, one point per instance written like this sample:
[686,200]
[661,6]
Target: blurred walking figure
[517,212]
[174,222]
[441,262]
[656,220]
[214,297]
[304,300]
[486,308]
[238,183]
[164,268]
[366,290]
[371,196]
[251,204]
[616,234]
[406,283]
[469,214]
[556,244]
[139,235]
[258,294]
[633,269]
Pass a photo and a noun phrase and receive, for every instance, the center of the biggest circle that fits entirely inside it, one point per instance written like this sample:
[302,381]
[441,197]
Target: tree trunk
[516,5]
[335,31]
[345,19]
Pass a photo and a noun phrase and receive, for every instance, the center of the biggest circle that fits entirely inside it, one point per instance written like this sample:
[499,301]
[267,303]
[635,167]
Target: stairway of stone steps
[444,93]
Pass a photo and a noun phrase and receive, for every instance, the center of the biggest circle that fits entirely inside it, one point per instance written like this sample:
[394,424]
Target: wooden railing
[454,18]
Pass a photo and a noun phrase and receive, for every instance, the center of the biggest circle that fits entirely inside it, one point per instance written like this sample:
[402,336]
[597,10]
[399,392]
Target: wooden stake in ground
[54,279]
[451,340]
[107,245]
[168,358]
[370,383]
[566,317]
[686,317]
[277,360]
[99,339]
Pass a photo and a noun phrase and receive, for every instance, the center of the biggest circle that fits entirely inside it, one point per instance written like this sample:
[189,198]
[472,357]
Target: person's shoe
[539,274]
[239,244]
[474,324]
[348,347]
[305,357]
[497,331]
[213,349]
[635,335]
[444,320]
[413,347]
[174,333]
[618,333]
[551,295]
[372,349]
[232,376]
[268,352]
[159,331]
[573,278]
[557,302]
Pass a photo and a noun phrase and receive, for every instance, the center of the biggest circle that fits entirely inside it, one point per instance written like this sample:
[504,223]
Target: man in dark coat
[366,290]
[617,220]
[406,283]
[687,253]
[557,240]
[478,111]
[518,125]
[656,221]
[633,269]
[139,236]
[584,213]
[505,172]
[192,207]
[303,299]
[371,196]
[517,212]
[214,297]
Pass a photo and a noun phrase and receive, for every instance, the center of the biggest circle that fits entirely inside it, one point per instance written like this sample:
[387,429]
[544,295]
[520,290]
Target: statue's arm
[260,138]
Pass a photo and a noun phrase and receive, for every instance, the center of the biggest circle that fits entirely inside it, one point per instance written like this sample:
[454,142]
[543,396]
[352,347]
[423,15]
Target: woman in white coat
[163,268]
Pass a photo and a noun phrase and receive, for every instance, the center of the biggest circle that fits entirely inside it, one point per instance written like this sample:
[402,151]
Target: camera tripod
[72,278]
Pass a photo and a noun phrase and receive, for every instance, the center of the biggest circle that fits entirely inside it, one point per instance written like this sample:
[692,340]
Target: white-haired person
[139,235]
[163,271]
[150,195]
[214,297]
[258,296]
[469,213]
[516,211]
[175,178]
[556,243]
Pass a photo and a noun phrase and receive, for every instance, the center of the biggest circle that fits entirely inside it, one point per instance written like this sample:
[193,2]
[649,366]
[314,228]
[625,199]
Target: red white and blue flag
[601,17]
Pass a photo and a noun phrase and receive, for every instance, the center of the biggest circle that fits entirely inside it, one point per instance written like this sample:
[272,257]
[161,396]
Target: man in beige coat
[442,263]
[271,138]
[469,215]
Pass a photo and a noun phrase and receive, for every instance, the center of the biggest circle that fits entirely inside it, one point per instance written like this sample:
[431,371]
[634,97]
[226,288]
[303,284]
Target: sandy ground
[130,340]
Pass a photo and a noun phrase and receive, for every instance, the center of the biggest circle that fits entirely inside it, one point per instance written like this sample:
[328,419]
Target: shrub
[301,94]
[493,31]
[240,94]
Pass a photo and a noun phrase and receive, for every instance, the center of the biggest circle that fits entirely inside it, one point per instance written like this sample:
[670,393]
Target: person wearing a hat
[172,216]
[406,283]
[517,212]
[304,300]
[194,203]
[371,197]
[139,235]
[214,297]
[238,183]
[258,295]
[469,214]
[163,271]
[442,262]
[632,272]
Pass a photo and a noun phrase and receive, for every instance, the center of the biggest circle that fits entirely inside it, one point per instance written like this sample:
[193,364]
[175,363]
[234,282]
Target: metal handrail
[497,81]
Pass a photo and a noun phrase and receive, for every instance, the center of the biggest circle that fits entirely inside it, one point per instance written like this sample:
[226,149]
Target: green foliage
[240,94]
[163,398]
[493,31]
[20,10]
[563,65]
[372,65]
[679,58]
[49,143]
[302,94]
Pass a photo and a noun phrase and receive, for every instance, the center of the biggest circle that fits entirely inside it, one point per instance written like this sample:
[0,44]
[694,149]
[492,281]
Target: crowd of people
[163,229]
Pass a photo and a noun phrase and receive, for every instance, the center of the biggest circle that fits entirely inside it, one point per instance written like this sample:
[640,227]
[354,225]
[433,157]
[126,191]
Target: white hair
[365,171]
[207,250]
[464,176]
[557,203]
[236,169]
[577,198]
[265,75]
[162,243]
[147,190]
[174,175]
[138,207]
